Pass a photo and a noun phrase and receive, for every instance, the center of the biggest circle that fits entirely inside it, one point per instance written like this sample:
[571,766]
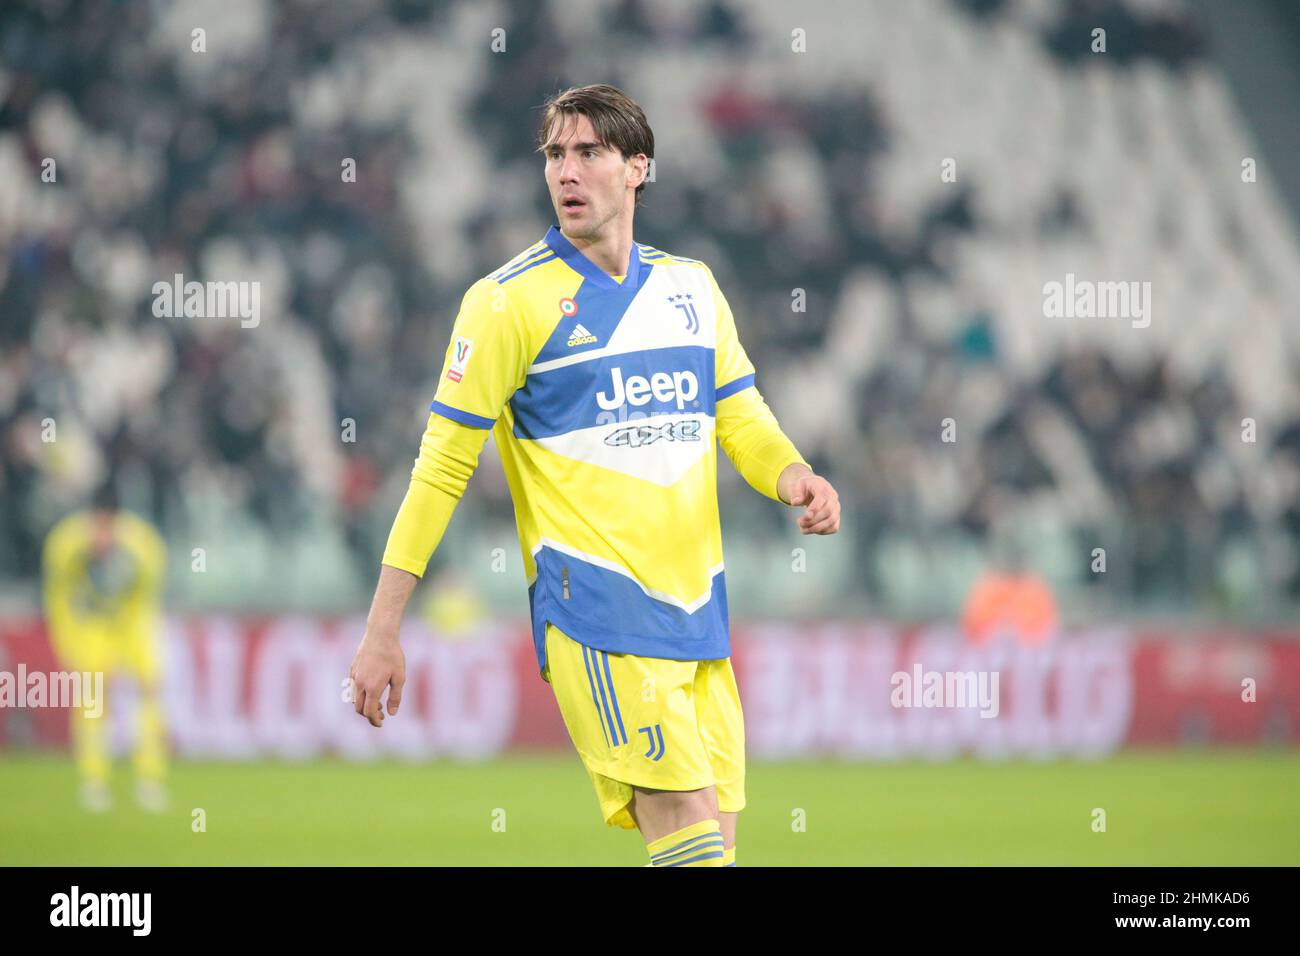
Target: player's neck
[611,251]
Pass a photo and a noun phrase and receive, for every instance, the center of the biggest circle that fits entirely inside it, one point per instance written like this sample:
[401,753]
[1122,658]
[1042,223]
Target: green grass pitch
[1166,808]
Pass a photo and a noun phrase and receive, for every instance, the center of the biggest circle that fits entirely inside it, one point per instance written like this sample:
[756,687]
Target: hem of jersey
[463,417]
[403,564]
[662,648]
[715,648]
[595,561]
[776,482]
[543,665]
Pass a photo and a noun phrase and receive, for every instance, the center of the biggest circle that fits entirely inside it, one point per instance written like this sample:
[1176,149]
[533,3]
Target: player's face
[102,538]
[588,181]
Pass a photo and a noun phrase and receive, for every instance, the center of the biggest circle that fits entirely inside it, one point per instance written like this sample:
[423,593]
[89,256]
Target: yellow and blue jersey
[607,399]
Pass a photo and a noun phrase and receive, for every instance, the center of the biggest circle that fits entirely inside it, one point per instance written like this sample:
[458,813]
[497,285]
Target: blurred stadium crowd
[875,298]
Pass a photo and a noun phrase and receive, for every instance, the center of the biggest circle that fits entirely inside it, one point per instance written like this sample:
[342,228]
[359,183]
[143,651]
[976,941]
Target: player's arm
[486,361]
[58,560]
[142,605]
[448,457]
[753,440]
[151,550]
[379,663]
[147,546]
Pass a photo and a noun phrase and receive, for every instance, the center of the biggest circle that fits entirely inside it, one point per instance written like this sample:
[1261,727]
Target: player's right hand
[379,663]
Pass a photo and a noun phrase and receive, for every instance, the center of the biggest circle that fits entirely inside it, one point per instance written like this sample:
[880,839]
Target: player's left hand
[822,515]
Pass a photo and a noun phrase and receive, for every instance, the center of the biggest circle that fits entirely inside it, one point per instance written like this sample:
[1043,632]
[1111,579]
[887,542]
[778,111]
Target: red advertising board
[252,687]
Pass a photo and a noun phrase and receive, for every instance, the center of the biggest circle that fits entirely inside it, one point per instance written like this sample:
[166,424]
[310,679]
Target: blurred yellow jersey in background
[103,578]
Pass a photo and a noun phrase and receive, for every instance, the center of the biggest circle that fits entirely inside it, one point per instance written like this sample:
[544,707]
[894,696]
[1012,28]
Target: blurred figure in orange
[1011,599]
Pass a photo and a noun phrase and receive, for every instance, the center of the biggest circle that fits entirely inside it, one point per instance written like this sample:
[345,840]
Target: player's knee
[677,808]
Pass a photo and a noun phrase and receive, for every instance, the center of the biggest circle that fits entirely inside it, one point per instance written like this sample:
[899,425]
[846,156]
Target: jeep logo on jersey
[678,387]
[637,436]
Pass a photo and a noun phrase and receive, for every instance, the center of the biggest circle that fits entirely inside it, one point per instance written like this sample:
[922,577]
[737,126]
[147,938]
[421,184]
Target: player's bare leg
[727,821]
[661,812]
[151,746]
[90,749]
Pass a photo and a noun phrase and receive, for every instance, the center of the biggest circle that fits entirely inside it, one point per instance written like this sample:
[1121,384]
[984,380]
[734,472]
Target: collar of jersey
[588,269]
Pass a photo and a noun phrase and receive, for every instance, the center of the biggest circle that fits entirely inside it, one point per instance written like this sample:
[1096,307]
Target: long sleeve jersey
[608,397]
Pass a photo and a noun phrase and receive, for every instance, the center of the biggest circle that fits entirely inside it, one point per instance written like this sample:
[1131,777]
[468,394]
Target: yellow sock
[729,857]
[699,844]
[90,745]
[151,746]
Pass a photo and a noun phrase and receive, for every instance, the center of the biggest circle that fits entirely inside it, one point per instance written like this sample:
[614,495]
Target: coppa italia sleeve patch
[459,358]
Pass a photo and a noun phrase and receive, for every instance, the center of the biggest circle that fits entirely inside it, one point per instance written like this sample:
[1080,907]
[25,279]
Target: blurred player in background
[608,371]
[104,571]
[1010,599]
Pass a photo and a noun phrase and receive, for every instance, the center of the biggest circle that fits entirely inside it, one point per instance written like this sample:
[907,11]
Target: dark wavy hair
[618,120]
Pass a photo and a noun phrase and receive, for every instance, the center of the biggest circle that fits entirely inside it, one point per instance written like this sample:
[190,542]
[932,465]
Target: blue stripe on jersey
[561,400]
[650,252]
[732,387]
[519,260]
[540,260]
[609,611]
[465,418]
[661,257]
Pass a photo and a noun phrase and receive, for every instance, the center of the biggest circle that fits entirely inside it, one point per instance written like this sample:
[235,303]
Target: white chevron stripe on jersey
[674,454]
[652,322]
[690,607]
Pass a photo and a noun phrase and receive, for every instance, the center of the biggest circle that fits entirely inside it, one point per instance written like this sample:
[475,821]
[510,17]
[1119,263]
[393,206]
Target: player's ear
[639,165]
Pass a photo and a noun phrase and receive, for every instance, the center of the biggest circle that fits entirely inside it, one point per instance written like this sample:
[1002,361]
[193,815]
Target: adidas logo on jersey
[580,336]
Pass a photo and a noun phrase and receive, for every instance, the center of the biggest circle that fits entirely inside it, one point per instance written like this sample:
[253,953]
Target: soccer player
[103,577]
[608,371]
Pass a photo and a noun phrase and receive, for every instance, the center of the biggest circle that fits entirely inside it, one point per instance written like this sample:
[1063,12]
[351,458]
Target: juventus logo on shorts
[656,735]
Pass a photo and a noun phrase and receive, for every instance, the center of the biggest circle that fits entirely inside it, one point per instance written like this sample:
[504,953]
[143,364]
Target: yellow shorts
[134,651]
[649,722]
